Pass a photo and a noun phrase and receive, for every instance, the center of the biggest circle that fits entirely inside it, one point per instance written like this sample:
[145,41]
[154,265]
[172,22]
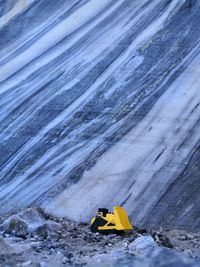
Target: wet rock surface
[34,238]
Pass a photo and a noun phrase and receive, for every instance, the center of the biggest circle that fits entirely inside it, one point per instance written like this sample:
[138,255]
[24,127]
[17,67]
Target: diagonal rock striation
[99,106]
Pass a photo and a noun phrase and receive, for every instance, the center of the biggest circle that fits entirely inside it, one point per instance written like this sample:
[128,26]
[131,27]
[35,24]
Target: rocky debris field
[34,238]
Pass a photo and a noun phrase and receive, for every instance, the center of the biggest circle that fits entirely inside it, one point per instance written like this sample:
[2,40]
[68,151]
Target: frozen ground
[33,238]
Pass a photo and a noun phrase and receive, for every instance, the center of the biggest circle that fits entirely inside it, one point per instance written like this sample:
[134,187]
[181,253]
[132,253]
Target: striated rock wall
[99,106]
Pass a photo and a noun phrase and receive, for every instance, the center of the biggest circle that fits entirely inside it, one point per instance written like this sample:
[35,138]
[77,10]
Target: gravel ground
[33,238]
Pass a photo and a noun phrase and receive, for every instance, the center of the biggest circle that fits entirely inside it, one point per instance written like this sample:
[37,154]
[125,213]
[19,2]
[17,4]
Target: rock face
[99,102]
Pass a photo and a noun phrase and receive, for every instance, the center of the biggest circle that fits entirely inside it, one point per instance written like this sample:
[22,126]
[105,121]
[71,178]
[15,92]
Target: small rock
[69,255]
[41,231]
[142,245]
[142,231]
[182,237]
[125,245]
[15,226]
[190,236]
[64,260]
[43,264]
[26,264]
[162,240]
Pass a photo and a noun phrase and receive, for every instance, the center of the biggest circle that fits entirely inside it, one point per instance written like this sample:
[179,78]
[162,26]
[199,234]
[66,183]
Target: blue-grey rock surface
[36,239]
[99,106]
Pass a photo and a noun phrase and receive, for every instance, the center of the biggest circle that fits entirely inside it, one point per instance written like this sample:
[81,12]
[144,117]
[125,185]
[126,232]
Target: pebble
[69,255]
[182,237]
[189,236]
[64,260]
[43,264]
[125,245]
[26,264]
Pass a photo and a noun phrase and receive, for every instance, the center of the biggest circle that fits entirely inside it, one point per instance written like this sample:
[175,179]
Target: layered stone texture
[99,106]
